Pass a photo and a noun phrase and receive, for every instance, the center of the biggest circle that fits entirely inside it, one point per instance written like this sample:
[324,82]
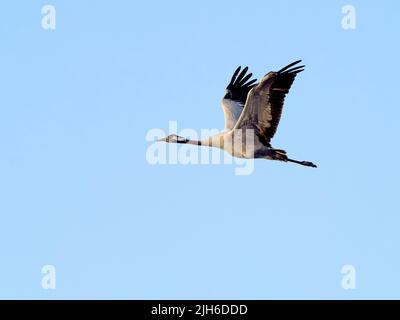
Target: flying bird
[252,112]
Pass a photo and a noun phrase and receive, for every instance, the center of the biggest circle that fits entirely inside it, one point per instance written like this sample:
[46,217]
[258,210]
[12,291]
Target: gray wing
[235,96]
[264,103]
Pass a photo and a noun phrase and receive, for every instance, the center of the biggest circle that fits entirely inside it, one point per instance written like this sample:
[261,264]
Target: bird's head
[173,138]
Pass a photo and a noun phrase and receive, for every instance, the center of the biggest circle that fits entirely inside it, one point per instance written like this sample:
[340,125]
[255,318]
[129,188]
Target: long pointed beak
[162,139]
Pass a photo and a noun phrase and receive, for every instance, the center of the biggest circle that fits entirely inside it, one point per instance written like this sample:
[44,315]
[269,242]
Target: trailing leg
[303,163]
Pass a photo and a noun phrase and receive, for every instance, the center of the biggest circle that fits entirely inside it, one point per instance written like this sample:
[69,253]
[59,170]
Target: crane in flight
[252,112]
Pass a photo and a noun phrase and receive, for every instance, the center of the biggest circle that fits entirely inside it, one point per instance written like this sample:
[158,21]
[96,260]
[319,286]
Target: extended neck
[181,140]
[213,141]
[193,142]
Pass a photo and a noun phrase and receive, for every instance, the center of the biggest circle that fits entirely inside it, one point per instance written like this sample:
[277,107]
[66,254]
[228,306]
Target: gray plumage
[252,112]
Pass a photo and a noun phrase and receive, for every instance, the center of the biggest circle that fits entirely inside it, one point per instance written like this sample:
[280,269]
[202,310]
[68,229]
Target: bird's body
[237,144]
[252,112]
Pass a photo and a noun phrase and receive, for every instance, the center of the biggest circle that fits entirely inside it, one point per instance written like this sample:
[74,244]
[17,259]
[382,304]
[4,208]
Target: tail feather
[280,154]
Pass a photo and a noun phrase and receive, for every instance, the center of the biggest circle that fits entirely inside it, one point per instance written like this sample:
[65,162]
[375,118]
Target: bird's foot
[308,164]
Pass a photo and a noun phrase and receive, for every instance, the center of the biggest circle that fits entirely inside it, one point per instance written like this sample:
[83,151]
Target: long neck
[213,141]
[194,142]
[216,141]
[187,141]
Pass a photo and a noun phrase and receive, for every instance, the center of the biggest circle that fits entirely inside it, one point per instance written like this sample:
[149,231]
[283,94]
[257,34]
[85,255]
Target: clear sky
[78,193]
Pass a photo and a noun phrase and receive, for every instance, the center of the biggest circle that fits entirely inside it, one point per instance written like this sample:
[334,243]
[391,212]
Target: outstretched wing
[264,103]
[235,96]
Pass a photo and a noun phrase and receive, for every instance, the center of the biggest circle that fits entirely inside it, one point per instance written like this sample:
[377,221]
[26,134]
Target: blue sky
[78,193]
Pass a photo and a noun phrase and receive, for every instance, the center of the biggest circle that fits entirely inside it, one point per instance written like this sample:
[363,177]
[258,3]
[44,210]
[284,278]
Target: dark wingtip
[243,81]
[296,71]
[235,75]
[238,80]
[251,82]
[289,66]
